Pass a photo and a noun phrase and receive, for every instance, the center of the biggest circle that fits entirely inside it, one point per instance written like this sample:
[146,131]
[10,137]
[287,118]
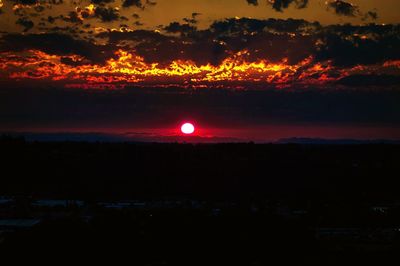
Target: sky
[239,69]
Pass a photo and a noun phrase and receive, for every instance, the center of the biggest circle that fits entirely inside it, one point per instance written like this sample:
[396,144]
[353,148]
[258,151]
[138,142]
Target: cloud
[273,40]
[192,19]
[195,14]
[344,8]
[57,44]
[101,2]
[73,17]
[51,19]
[155,47]
[129,3]
[107,14]
[26,23]
[348,45]
[304,50]
[183,29]
[137,36]
[55,2]
[26,2]
[371,15]
[280,5]
[138,3]
[248,26]
[253,2]
[340,7]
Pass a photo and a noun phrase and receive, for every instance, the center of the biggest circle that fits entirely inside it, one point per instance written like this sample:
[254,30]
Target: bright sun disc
[187,128]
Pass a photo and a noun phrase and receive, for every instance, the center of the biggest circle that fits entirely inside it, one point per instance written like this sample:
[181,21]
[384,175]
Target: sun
[187,128]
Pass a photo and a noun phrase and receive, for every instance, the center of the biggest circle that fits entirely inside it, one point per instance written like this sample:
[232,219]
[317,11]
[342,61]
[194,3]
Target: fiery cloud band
[272,52]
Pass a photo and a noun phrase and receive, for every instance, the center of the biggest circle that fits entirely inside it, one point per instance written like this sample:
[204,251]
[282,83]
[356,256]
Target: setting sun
[187,128]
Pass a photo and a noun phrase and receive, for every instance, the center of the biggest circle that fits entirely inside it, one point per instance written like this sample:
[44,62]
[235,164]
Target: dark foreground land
[206,204]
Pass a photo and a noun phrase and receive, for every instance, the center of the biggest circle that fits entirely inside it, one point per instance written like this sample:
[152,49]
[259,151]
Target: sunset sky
[239,69]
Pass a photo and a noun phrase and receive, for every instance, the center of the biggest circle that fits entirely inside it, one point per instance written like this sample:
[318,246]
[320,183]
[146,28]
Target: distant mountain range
[335,141]
[137,137]
[132,137]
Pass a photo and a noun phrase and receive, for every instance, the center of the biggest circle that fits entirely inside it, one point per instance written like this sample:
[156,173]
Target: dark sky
[255,70]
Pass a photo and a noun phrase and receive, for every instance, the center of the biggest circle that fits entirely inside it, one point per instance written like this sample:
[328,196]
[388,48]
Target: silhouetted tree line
[128,170]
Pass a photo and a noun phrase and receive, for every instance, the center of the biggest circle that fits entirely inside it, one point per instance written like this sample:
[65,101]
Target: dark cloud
[55,2]
[73,17]
[101,2]
[26,2]
[344,8]
[247,26]
[57,44]
[39,8]
[371,15]
[273,40]
[138,3]
[25,22]
[267,39]
[340,7]
[51,19]
[69,61]
[107,14]
[176,27]
[155,47]
[221,40]
[192,19]
[280,5]
[253,2]
[129,3]
[348,45]
[145,36]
